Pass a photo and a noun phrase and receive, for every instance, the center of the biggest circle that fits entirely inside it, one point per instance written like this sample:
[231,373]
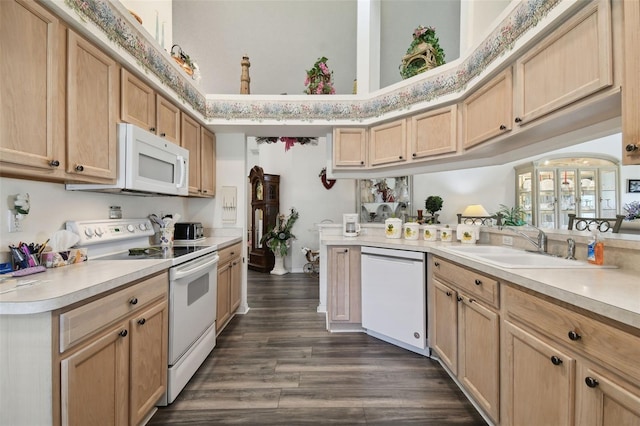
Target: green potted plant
[279,238]
[432,205]
[513,216]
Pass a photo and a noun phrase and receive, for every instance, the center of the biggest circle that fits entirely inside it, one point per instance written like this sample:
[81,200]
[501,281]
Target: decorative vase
[278,267]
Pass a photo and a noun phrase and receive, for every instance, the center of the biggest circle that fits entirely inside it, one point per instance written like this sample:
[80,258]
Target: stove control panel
[103,231]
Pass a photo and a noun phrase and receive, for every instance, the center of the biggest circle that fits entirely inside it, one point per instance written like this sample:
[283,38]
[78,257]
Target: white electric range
[192,287]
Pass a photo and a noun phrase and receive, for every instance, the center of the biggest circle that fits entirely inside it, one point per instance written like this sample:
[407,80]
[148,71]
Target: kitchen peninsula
[485,322]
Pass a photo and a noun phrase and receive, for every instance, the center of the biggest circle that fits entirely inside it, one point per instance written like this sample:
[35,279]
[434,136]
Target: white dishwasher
[394,303]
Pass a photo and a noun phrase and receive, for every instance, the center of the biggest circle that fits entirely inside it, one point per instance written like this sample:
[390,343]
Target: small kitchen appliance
[350,224]
[188,231]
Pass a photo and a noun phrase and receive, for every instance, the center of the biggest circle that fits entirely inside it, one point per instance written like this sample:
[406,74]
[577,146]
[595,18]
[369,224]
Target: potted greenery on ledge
[279,238]
[424,53]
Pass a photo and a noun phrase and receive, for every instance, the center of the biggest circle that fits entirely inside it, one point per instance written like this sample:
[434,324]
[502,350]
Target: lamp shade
[475,210]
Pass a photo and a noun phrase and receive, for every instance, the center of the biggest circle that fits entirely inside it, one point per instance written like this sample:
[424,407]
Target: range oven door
[192,302]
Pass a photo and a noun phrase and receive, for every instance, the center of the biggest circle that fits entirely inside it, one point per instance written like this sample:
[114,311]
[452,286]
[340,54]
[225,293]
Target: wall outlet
[14,224]
[507,241]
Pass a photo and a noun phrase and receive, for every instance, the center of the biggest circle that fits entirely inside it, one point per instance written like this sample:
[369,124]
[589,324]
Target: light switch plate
[14,224]
[507,241]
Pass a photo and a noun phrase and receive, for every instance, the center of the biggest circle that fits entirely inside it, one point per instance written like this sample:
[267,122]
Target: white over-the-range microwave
[147,164]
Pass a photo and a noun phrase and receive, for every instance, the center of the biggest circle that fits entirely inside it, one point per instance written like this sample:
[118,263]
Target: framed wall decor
[633,185]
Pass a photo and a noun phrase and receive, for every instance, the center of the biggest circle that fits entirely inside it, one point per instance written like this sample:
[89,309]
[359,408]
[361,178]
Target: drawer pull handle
[478,282]
[437,264]
[518,120]
[54,163]
[459,299]
[163,134]
[472,300]
[555,360]
[591,382]
[141,321]
[503,127]
[448,293]
[123,333]
[152,129]
[134,301]
[574,336]
[79,168]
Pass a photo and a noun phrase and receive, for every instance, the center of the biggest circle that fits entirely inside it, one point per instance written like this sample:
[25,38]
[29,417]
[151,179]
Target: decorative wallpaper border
[122,32]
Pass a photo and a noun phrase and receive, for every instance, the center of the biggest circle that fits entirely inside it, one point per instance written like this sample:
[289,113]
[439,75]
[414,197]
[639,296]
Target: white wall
[301,187]
[283,39]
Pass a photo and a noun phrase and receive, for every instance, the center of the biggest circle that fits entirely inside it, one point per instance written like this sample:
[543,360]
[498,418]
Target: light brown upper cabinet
[138,102]
[207,163]
[31,109]
[145,108]
[388,143]
[487,113]
[92,110]
[349,148]
[433,132]
[167,120]
[631,85]
[190,139]
[571,63]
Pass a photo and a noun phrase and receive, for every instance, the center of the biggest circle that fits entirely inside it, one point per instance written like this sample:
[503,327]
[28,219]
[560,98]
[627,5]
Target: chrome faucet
[540,243]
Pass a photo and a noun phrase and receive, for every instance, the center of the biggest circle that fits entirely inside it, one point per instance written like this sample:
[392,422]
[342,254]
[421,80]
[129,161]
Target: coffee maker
[350,224]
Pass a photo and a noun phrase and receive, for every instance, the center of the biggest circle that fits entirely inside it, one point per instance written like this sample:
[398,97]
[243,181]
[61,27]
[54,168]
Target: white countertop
[59,287]
[612,293]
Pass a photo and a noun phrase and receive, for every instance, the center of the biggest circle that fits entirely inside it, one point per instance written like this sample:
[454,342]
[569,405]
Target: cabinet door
[29,113]
[479,354]
[570,64]
[538,381]
[208,163]
[167,120]
[444,338]
[344,285]
[236,283]
[631,85]
[92,83]
[94,381]
[487,112]
[190,139]
[603,399]
[349,148]
[137,102]
[223,311]
[388,143]
[148,360]
[434,132]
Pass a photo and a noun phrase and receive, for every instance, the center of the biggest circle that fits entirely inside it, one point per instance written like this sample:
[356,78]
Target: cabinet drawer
[611,345]
[470,282]
[80,322]
[229,253]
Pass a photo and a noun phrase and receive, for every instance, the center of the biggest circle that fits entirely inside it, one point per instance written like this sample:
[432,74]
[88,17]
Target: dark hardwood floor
[277,365]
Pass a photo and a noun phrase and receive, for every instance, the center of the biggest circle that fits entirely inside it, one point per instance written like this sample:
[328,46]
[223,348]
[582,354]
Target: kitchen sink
[506,257]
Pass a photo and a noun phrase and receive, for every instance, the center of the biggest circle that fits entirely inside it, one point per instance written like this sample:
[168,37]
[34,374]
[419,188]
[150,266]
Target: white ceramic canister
[430,232]
[411,231]
[393,228]
[445,234]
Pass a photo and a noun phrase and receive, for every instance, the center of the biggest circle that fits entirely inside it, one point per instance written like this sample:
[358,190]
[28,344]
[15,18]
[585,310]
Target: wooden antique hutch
[265,206]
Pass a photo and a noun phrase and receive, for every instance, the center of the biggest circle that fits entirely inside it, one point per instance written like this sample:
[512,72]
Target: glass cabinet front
[548,191]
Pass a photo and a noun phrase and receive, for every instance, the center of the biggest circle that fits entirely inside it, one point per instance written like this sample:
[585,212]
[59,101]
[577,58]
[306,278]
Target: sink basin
[506,257]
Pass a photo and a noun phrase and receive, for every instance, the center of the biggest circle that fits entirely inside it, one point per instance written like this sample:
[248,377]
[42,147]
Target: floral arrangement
[188,65]
[318,80]
[278,238]
[422,35]
[633,210]
[288,142]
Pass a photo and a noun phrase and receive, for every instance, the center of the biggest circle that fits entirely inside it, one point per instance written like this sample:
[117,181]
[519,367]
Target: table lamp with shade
[475,214]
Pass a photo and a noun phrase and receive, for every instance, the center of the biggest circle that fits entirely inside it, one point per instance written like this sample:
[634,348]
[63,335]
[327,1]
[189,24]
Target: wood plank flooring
[277,365]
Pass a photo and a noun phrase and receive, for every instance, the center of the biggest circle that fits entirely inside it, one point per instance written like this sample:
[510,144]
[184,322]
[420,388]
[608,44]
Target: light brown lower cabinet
[565,367]
[116,374]
[229,284]
[344,286]
[465,334]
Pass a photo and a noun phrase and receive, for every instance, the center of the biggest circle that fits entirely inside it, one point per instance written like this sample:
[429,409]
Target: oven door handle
[194,267]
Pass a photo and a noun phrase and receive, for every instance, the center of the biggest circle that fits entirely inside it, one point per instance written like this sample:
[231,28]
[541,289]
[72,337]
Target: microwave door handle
[183,172]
